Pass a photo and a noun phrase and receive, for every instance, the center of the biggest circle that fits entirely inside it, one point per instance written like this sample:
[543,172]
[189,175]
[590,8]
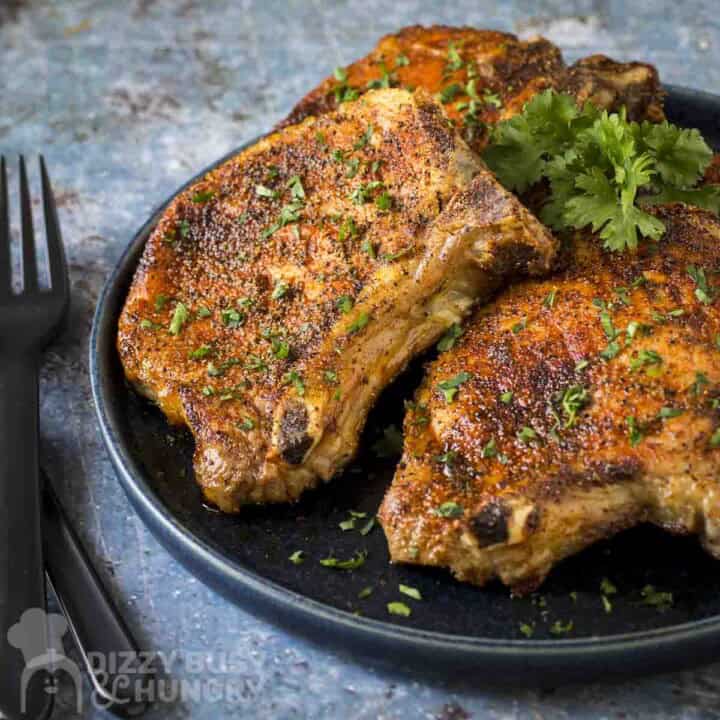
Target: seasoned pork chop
[278,295]
[570,409]
[484,76]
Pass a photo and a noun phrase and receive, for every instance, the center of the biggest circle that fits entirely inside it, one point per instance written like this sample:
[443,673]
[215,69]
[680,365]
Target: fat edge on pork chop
[572,408]
[278,295]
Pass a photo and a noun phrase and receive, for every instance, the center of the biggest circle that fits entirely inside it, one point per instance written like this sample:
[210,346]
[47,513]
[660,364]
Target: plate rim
[250,589]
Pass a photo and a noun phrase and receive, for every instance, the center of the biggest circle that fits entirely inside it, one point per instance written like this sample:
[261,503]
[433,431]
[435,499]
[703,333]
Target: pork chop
[571,408]
[485,76]
[278,295]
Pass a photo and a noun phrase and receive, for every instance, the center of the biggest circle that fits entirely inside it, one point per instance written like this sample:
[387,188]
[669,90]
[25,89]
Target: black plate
[455,626]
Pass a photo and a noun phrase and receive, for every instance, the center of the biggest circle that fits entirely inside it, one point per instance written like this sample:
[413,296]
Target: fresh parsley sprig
[602,169]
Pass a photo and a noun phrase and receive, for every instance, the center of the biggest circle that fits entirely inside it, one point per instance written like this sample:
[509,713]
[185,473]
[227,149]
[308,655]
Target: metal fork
[28,321]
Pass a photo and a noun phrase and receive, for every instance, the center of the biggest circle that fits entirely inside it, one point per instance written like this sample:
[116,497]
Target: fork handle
[24,690]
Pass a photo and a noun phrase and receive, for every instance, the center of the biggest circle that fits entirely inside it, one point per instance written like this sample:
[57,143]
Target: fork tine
[56,251]
[29,263]
[5,264]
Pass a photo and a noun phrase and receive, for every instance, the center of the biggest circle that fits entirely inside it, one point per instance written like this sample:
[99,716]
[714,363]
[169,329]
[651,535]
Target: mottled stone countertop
[127,99]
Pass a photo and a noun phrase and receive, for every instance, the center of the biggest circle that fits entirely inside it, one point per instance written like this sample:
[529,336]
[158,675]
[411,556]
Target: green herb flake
[247,424]
[412,592]
[297,558]
[356,561]
[340,74]
[560,628]
[203,312]
[506,398]
[574,399]
[490,449]
[452,334]
[527,434]
[280,290]
[449,388]
[384,201]
[232,318]
[634,431]
[527,630]
[654,598]
[449,93]
[607,587]
[670,412]
[179,318]
[702,292]
[359,323]
[202,196]
[715,439]
[549,301]
[348,229]
[449,510]
[399,608]
[345,304]
[200,352]
[364,139]
[366,592]
[294,378]
[266,192]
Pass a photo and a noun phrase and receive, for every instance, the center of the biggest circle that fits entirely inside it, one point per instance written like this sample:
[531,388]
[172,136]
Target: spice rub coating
[279,294]
[571,408]
[485,76]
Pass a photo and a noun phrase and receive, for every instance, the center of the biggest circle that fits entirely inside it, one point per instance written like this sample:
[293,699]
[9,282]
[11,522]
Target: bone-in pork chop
[571,408]
[278,295]
[485,76]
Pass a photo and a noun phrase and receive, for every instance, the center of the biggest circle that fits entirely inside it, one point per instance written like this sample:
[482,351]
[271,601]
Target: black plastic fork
[28,321]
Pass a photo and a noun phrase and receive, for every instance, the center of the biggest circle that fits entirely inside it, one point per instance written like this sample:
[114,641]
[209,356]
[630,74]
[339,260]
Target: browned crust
[590,469]
[505,68]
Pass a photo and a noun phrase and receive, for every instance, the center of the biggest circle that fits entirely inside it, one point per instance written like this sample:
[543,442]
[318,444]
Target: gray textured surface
[129,98]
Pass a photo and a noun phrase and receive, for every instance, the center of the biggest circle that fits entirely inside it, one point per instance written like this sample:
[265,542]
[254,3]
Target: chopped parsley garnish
[519,326]
[280,290]
[232,318]
[149,325]
[701,380]
[611,350]
[607,587]
[297,558]
[506,397]
[402,60]
[363,192]
[399,608]
[179,318]
[602,169]
[447,458]
[654,598]
[527,630]
[574,399]
[161,301]
[451,335]
[247,424]
[364,139]
[289,213]
[200,352]
[297,191]
[491,98]
[454,61]
[202,196]
[356,561]
[368,248]
[184,227]
[703,292]
[560,628]
[384,201]
[449,388]
[450,92]
[294,377]
[490,449]
[634,431]
[366,592]
[348,229]
[670,412]
[527,434]
[345,304]
[412,592]
[581,365]
[715,439]
[549,301]
[449,510]
[645,358]
[255,363]
[340,74]
[203,312]
[280,349]
[369,525]
[330,376]
[266,192]
[358,324]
